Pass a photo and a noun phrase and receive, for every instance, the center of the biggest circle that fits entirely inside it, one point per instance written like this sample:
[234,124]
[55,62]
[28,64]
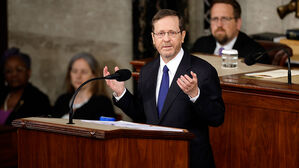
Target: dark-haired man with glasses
[225,25]
[176,89]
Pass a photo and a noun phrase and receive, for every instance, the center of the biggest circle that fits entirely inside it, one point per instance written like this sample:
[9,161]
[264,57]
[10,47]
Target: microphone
[120,75]
[248,61]
[257,56]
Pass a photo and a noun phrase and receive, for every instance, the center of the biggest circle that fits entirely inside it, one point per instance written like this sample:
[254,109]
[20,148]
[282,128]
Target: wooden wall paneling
[256,132]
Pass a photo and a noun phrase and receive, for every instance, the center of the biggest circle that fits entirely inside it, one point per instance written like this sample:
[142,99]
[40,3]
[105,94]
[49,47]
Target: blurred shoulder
[33,91]
[101,98]
[203,44]
[202,65]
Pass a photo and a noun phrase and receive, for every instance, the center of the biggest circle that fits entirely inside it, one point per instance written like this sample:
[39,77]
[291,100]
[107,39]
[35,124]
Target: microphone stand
[289,67]
[289,71]
[71,112]
[289,61]
[120,75]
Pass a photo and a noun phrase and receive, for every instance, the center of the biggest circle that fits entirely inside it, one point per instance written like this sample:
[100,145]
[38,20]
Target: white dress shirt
[228,46]
[172,65]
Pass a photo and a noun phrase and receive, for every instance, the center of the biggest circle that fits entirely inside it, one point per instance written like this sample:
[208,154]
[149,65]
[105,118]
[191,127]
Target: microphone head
[123,75]
[249,61]
[252,58]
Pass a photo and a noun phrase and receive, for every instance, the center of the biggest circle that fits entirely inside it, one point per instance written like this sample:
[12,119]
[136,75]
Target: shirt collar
[173,64]
[228,46]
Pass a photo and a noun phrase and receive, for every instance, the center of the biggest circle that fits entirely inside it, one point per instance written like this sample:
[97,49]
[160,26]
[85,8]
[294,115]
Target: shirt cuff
[193,99]
[117,98]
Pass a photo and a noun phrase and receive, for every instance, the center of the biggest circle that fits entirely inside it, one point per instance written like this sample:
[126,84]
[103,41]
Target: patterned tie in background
[163,89]
[220,51]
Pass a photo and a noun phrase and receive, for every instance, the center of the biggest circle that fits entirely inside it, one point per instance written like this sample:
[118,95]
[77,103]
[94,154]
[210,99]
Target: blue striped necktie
[163,89]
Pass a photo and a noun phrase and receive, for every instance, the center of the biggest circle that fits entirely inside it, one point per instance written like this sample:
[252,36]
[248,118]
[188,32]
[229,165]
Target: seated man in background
[19,98]
[225,25]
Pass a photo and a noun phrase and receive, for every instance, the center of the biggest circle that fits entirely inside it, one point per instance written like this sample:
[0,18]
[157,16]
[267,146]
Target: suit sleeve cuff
[193,99]
[117,98]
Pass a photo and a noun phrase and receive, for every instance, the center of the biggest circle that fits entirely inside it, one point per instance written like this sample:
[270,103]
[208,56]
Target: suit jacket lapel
[151,83]
[238,42]
[212,46]
[174,89]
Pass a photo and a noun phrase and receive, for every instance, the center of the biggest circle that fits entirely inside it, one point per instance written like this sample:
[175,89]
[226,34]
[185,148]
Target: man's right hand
[117,87]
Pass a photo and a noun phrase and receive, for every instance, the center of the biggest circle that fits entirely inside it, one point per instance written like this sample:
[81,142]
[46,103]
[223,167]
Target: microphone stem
[122,75]
[71,112]
[289,71]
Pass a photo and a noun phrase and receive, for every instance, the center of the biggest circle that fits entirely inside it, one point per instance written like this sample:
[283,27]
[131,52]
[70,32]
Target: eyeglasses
[224,20]
[171,34]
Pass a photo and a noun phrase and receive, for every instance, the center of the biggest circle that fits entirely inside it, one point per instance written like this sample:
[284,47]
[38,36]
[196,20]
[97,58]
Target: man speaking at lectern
[175,90]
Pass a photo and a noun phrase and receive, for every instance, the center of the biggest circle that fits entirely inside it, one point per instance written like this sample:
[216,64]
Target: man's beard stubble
[221,38]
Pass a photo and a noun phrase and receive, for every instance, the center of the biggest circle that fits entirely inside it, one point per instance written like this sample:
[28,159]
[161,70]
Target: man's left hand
[188,85]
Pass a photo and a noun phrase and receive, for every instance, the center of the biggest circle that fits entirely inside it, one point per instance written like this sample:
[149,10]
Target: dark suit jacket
[97,106]
[178,110]
[247,48]
[33,103]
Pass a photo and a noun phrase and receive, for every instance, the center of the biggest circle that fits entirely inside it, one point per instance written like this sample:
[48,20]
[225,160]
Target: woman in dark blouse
[19,98]
[91,102]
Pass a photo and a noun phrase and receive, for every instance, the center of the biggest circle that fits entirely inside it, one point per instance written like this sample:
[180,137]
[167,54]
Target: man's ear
[153,38]
[183,35]
[239,23]
[29,73]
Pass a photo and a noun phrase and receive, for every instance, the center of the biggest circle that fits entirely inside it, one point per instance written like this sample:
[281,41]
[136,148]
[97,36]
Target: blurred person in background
[225,26]
[19,98]
[91,102]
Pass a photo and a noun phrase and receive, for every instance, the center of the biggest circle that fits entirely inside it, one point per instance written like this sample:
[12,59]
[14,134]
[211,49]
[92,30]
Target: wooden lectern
[49,142]
[8,147]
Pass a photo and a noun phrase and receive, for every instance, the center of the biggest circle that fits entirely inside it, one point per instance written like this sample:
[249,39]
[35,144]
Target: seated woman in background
[88,103]
[20,98]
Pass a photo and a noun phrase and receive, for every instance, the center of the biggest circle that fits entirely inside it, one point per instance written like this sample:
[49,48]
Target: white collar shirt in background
[228,46]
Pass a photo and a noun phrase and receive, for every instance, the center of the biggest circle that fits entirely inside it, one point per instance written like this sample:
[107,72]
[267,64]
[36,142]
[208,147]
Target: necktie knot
[165,69]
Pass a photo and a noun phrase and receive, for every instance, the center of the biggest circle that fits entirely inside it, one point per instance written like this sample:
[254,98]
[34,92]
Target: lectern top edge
[57,125]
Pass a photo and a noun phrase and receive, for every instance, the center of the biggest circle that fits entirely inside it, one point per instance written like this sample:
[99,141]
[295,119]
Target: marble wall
[52,31]
[261,16]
